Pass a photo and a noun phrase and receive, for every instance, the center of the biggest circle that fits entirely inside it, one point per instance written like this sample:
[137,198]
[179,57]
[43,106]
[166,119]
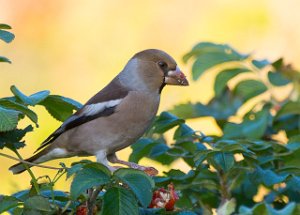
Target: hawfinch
[116,116]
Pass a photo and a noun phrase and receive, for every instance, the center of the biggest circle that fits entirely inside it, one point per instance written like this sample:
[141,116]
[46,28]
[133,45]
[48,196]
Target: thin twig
[91,202]
[30,163]
[33,178]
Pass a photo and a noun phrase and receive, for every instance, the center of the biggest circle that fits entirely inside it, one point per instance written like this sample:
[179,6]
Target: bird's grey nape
[131,77]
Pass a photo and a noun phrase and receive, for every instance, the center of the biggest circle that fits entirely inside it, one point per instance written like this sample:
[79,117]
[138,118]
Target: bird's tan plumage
[116,116]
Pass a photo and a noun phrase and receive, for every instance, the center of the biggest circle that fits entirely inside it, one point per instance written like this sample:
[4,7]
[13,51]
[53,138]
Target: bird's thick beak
[176,77]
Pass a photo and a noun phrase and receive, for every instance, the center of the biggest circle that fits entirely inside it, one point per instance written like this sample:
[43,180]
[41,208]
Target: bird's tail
[20,167]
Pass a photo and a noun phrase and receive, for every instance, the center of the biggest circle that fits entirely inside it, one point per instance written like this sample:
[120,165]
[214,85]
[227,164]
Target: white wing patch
[94,109]
[53,154]
[90,110]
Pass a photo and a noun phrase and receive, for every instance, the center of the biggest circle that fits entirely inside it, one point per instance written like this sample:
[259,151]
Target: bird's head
[152,69]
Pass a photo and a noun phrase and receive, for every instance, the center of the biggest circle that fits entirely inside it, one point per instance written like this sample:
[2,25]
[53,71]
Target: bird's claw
[151,171]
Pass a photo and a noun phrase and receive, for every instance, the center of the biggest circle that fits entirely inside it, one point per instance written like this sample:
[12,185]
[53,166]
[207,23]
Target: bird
[115,117]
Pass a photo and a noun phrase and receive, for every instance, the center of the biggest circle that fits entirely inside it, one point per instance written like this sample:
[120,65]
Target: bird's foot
[151,171]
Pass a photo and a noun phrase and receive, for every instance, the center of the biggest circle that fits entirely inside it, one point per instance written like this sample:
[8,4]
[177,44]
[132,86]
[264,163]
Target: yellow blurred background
[74,48]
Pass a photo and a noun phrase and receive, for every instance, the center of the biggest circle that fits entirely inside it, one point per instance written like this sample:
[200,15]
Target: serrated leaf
[277,79]
[19,107]
[8,119]
[6,36]
[7,203]
[74,169]
[248,89]
[4,59]
[166,121]
[119,201]
[4,26]
[37,203]
[139,182]
[93,174]
[12,139]
[224,76]
[60,107]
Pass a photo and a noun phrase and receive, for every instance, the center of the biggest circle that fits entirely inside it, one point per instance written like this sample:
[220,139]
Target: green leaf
[227,208]
[7,203]
[119,201]
[19,107]
[266,209]
[222,161]
[158,149]
[166,121]
[289,209]
[260,64]
[203,155]
[278,64]
[29,100]
[141,149]
[8,119]
[60,107]
[21,96]
[139,182]
[294,143]
[248,89]
[93,174]
[183,131]
[277,79]
[4,59]
[186,213]
[12,139]
[219,108]
[76,166]
[224,76]
[209,55]
[37,204]
[258,209]
[290,107]
[39,96]
[6,36]
[4,26]
[253,127]
[268,177]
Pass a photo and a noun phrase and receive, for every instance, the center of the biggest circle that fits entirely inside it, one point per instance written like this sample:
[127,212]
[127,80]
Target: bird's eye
[162,64]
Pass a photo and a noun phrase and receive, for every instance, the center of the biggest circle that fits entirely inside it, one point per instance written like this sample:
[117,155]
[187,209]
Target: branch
[30,163]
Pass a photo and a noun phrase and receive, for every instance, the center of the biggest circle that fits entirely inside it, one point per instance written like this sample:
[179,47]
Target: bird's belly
[117,131]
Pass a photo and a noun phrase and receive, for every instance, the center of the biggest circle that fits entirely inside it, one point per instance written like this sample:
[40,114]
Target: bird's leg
[151,171]
[102,158]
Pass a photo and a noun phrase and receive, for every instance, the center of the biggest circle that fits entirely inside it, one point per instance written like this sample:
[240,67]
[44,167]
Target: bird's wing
[102,104]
